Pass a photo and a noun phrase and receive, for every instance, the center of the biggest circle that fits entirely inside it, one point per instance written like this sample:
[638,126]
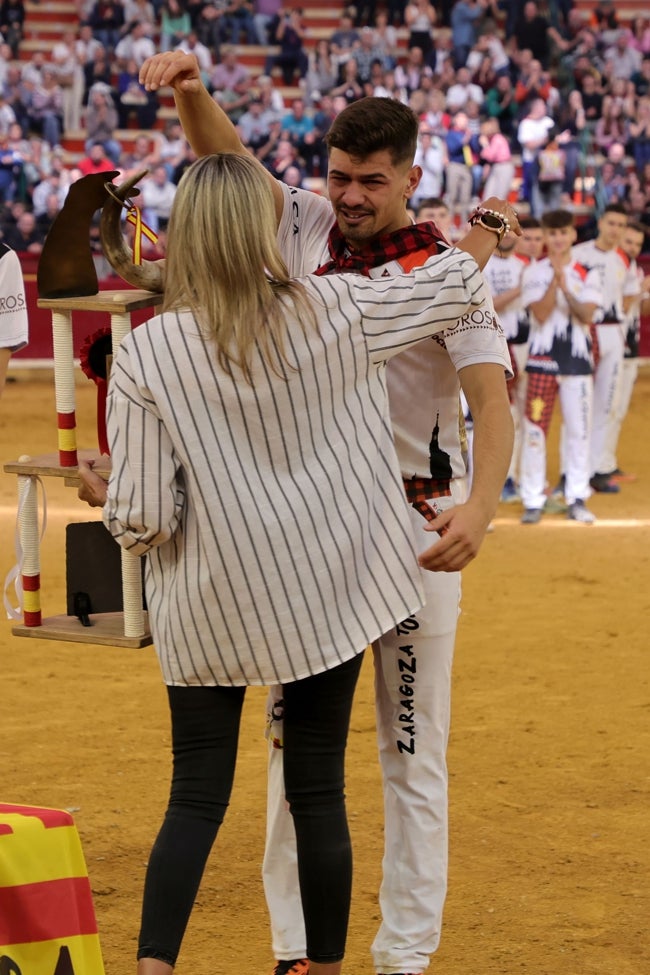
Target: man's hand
[93,488]
[462,530]
[175,69]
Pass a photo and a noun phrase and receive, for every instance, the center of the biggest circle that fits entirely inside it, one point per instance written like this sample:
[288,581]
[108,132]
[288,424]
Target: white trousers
[576,398]
[518,406]
[627,379]
[606,392]
[413,688]
[499,180]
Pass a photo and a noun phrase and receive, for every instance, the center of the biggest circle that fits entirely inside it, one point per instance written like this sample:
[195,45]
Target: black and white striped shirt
[273,515]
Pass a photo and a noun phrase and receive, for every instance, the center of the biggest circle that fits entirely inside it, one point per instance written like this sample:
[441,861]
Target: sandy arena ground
[549,753]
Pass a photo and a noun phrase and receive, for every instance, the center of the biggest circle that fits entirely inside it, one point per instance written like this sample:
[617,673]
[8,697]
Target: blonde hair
[224,264]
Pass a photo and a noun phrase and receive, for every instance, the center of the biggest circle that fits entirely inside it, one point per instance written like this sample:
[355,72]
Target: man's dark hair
[556,219]
[529,223]
[637,227]
[431,201]
[615,208]
[372,124]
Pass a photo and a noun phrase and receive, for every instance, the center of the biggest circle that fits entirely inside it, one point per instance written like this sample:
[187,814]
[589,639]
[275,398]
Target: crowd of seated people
[500,88]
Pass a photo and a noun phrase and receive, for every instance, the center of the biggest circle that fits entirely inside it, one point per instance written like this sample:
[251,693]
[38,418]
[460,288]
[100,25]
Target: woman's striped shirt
[273,514]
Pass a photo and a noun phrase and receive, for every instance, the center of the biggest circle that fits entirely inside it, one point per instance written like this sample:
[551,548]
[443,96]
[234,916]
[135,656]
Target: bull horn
[147,275]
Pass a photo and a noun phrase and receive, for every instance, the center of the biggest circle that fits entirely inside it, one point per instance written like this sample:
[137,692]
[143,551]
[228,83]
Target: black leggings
[205,729]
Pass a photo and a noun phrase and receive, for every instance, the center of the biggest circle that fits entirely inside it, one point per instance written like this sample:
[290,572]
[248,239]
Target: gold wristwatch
[490,220]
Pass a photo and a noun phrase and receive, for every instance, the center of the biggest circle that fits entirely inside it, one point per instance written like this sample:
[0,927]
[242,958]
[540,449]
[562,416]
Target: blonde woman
[253,464]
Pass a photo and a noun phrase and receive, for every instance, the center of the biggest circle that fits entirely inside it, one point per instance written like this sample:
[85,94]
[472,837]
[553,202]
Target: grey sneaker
[531,516]
[578,511]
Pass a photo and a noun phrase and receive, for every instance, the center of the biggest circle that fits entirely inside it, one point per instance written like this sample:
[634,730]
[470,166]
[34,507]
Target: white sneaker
[578,511]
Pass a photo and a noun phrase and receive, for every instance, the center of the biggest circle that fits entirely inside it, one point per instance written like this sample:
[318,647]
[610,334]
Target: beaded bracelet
[480,212]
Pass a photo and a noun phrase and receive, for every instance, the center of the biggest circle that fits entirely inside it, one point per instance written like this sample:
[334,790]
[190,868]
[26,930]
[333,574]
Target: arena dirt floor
[549,753]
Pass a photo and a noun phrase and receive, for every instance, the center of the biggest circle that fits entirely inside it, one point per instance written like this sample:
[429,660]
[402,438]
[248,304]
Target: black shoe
[298,966]
[602,484]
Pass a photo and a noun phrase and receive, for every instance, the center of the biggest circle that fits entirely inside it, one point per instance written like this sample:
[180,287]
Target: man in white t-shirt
[620,287]
[13,309]
[365,226]
[532,134]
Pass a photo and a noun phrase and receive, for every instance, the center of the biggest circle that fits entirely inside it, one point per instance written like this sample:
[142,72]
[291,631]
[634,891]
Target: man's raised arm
[207,128]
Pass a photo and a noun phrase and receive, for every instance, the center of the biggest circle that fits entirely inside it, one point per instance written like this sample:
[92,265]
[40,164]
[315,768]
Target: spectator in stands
[11,165]
[533,82]
[45,111]
[624,59]
[208,24]
[264,13]
[604,20]
[175,25]
[46,218]
[350,88]
[157,195]
[231,84]
[254,126]
[612,126]
[24,237]
[230,73]
[385,39]
[551,174]
[134,99]
[462,146]
[639,133]
[170,146]
[86,45]
[97,70]
[298,126]
[496,157]
[572,123]
[531,33]
[463,91]
[344,40]
[7,115]
[500,104]
[465,18]
[141,10]
[592,99]
[192,45]
[269,95]
[51,185]
[640,35]
[431,157]
[238,20]
[107,21]
[69,74]
[95,160]
[366,55]
[102,120]
[135,46]
[322,72]
[141,154]
[409,74]
[12,22]
[292,59]
[532,135]
[420,18]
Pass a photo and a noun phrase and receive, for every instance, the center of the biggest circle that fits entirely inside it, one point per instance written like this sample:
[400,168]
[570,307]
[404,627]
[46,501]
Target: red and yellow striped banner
[47,919]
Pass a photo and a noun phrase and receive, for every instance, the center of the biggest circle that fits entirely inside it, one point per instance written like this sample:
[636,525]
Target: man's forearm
[206,126]
[491,453]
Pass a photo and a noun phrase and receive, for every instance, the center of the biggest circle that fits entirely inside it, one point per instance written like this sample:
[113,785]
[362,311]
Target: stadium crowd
[546,104]
[562,91]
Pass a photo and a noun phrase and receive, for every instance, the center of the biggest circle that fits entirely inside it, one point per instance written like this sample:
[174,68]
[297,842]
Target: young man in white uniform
[620,286]
[368,191]
[631,244]
[503,274]
[13,309]
[562,298]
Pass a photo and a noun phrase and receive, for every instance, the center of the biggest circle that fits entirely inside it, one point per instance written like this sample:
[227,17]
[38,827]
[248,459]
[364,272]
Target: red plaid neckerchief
[389,247]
